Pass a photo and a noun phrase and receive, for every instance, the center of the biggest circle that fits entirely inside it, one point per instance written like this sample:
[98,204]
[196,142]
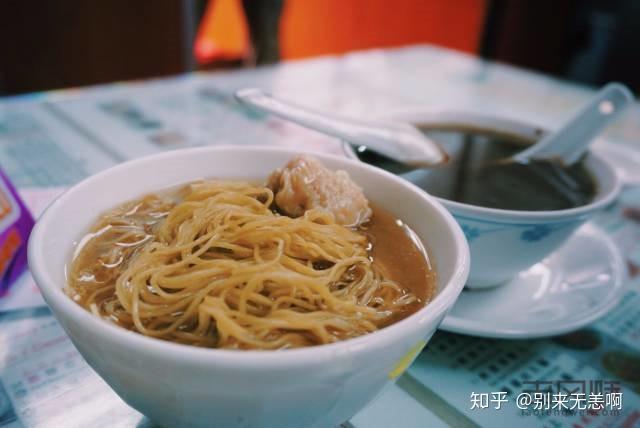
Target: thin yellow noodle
[220,268]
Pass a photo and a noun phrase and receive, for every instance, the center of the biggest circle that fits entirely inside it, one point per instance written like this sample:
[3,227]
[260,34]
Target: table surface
[51,140]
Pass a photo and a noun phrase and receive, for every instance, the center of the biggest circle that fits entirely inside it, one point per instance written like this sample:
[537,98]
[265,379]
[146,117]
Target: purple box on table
[16,223]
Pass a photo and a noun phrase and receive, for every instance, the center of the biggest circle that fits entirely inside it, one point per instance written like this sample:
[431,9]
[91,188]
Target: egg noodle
[219,268]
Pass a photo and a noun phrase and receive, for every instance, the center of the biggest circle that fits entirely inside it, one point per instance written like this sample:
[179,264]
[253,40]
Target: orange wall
[317,27]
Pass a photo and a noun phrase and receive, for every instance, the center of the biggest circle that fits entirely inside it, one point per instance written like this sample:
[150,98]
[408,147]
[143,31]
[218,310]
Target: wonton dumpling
[305,183]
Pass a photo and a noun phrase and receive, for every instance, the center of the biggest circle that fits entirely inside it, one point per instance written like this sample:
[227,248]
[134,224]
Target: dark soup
[480,173]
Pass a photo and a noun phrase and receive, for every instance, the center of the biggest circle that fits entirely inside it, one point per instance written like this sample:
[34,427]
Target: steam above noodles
[216,265]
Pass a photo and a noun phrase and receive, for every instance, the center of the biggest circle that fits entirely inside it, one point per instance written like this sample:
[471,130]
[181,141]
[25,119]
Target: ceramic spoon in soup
[571,141]
[548,175]
[401,142]
[561,148]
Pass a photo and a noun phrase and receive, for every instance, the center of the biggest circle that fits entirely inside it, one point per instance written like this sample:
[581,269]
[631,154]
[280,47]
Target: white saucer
[577,284]
[624,160]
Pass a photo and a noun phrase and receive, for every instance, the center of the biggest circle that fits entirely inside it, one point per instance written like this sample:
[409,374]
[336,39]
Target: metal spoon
[403,143]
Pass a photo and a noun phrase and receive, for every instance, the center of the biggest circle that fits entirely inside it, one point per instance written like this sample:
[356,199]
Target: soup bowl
[186,386]
[502,242]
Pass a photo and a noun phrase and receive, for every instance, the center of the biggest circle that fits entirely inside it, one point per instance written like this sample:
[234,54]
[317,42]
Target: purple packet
[16,223]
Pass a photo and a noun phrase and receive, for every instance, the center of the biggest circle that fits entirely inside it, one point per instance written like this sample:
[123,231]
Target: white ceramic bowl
[505,242]
[179,385]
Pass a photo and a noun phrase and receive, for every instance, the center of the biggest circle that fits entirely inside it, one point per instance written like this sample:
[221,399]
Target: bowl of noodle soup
[200,304]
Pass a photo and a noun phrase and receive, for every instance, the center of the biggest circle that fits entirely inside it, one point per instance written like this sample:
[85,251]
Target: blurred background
[54,44]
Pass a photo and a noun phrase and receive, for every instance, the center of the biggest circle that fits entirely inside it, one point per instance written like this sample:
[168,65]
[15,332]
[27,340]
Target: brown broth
[398,252]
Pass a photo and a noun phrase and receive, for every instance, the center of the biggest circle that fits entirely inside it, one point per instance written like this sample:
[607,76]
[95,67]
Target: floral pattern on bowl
[530,232]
